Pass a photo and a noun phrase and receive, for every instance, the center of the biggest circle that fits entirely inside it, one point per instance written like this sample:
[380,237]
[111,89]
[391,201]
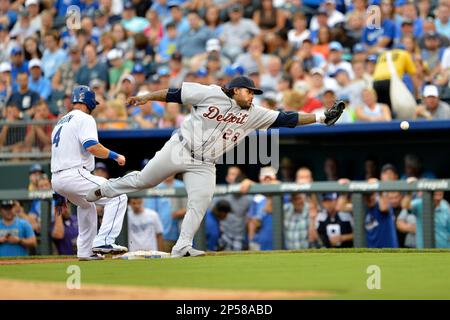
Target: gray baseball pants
[199,180]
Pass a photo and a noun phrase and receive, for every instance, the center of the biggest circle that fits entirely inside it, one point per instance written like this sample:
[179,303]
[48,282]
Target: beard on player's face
[244,97]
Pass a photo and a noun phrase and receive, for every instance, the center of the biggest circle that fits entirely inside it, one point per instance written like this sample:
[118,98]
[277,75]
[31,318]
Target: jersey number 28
[227,134]
[56,137]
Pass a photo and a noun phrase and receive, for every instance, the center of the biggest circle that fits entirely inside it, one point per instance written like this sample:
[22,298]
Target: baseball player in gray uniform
[220,118]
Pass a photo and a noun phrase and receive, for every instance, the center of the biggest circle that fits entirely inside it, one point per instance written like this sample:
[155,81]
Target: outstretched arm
[160,95]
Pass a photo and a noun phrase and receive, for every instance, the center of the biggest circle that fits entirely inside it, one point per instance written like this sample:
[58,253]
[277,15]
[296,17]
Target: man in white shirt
[145,231]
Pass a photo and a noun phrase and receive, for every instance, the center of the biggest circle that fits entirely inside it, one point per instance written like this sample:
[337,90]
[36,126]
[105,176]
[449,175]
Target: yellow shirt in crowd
[402,60]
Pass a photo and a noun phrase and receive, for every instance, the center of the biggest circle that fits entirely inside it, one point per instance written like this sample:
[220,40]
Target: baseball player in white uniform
[74,145]
[220,118]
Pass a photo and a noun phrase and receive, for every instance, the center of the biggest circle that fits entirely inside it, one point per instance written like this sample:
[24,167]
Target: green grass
[404,274]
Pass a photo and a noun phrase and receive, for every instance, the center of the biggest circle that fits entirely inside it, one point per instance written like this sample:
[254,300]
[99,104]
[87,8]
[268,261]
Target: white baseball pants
[74,184]
[199,179]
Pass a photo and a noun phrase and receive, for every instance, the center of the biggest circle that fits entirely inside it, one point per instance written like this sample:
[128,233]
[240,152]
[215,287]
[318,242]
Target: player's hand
[121,160]
[334,113]
[136,100]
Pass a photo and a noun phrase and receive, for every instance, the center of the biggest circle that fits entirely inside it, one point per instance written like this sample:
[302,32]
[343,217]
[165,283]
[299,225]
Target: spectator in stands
[24,97]
[433,108]
[335,61]
[155,30]
[443,18]
[441,219]
[145,231]
[131,22]
[171,211]
[403,64]
[92,68]
[64,78]
[299,222]
[414,168]
[53,56]
[193,41]
[395,202]
[5,84]
[379,222]
[322,44]
[214,230]
[161,8]
[372,111]
[34,175]
[102,24]
[334,229]
[254,58]
[213,20]
[39,135]
[388,173]
[119,67]
[406,225]
[238,32]
[380,37]
[168,44]
[101,170]
[43,184]
[64,231]
[23,28]
[432,53]
[310,60]
[16,234]
[234,235]
[176,16]
[6,43]
[299,31]
[330,168]
[173,111]
[269,19]
[272,74]
[122,40]
[260,214]
[11,136]
[18,63]
[31,48]
[37,82]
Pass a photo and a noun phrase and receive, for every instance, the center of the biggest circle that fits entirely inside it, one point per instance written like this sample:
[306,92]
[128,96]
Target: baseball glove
[334,113]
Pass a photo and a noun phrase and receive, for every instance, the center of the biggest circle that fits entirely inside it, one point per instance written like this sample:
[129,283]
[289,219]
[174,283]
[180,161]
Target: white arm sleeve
[194,93]
[87,129]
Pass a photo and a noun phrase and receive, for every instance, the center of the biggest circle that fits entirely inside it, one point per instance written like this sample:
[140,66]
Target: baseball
[404,125]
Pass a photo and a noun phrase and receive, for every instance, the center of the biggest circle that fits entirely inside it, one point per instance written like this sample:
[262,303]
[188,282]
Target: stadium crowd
[303,53]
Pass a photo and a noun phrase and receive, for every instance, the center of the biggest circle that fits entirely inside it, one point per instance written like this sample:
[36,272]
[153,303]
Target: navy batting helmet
[84,94]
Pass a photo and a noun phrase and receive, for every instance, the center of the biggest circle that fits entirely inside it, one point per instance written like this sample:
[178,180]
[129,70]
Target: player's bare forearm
[99,151]
[159,95]
[306,118]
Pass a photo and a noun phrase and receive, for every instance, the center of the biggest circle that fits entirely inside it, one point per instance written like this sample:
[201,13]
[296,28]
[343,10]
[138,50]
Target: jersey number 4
[56,137]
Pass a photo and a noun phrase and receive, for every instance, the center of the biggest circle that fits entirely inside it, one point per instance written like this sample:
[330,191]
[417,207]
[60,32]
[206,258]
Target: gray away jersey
[217,123]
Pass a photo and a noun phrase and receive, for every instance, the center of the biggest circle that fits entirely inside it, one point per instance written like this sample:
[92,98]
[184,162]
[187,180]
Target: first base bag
[402,101]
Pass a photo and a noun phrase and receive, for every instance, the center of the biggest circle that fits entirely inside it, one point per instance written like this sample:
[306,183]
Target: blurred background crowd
[303,53]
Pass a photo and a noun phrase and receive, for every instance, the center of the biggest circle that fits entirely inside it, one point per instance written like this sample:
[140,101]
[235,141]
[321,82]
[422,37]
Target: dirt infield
[24,290]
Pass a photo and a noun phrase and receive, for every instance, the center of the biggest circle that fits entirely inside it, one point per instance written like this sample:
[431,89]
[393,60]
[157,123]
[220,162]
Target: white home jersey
[68,137]
[217,123]
[142,230]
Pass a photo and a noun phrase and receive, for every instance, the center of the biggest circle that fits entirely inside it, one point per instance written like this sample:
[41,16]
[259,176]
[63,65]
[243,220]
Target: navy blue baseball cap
[138,68]
[36,168]
[6,203]
[16,50]
[329,196]
[244,82]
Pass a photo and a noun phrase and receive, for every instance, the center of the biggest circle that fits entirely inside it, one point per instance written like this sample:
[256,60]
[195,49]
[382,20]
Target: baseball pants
[199,179]
[74,184]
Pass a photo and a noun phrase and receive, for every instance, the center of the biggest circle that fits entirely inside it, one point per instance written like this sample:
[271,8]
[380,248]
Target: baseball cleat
[93,257]
[110,249]
[187,252]
[94,194]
